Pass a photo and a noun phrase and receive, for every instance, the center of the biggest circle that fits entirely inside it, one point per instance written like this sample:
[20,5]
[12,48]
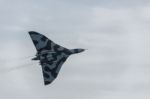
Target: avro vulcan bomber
[51,55]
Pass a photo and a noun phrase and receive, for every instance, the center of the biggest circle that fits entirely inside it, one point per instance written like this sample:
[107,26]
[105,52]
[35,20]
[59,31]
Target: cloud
[116,34]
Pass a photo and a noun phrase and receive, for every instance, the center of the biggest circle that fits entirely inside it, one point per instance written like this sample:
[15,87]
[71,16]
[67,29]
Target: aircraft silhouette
[51,55]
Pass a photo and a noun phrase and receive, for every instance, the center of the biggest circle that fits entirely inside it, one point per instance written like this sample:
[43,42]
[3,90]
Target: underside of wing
[51,56]
[42,43]
[51,65]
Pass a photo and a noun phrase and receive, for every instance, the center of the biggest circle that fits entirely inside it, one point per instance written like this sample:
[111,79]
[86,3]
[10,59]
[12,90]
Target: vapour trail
[6,70]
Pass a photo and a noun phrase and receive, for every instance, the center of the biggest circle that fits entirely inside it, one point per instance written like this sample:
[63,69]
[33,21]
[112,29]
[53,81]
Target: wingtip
[47,83]
[33,32]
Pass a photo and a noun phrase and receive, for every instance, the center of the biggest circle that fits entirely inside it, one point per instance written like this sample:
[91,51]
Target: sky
[115,32]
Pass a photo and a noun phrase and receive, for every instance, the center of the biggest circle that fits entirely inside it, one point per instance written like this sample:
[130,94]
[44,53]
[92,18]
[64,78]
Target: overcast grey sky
[115,32]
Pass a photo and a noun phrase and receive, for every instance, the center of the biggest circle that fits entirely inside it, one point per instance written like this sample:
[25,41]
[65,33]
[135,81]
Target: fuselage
[72,51]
